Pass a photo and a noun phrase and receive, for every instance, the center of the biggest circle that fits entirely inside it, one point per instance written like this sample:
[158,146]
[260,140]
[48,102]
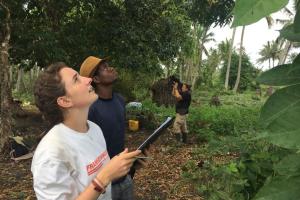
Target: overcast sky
[256,35]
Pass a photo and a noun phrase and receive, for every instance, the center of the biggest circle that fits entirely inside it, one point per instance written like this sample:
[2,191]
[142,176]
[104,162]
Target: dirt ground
[160,180]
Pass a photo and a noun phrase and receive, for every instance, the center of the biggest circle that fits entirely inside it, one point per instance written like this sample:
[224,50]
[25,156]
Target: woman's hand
[118,166]
[143,162]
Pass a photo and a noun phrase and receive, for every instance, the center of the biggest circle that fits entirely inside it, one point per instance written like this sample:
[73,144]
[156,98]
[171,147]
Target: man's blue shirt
[109,114]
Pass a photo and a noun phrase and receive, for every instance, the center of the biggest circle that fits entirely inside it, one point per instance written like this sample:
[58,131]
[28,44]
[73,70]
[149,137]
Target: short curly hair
[48,87]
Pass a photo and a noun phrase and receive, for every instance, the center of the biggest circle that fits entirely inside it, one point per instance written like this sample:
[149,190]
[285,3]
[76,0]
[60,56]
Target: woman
[71,161]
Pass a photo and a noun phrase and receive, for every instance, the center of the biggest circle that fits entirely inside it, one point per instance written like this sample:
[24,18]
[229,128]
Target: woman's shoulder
[52,145]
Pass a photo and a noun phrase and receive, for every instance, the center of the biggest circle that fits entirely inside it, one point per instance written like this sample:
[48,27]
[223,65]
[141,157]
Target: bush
[224,120]
[149,115]
[232,167]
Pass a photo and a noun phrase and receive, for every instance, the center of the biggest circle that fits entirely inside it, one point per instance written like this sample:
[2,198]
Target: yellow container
[133,125]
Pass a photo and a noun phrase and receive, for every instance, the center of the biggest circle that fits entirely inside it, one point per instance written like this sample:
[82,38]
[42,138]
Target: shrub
[224,120]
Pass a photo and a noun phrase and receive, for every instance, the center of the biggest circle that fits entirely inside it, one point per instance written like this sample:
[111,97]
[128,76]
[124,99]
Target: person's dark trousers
[178,137]
[184,137]
[123,190]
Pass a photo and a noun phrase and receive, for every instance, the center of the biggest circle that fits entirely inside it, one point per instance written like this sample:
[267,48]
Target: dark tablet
[153,137]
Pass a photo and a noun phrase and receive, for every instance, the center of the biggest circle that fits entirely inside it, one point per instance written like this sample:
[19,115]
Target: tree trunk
[38,69]
[237,82]
[11,75]
[285,52]
[20,86]
[201,47]
[6,93]
[229,59]
[181,71]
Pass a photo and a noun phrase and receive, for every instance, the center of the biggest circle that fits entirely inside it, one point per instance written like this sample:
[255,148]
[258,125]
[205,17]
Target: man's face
[184,88]
[105,75]
[79,92]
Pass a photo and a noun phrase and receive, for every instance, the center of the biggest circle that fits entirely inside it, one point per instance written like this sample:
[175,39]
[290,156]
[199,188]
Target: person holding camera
[183,101]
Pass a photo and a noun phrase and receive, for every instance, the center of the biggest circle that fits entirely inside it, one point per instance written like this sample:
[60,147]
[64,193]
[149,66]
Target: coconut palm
[193,60]
[286,45]
[241,51]
[269,52]
[229,58]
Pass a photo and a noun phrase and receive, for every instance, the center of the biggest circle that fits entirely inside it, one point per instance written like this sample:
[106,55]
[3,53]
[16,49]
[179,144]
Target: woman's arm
[117,167]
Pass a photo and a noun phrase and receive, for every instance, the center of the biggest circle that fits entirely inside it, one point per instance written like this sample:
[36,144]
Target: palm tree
[193,59]
[206,38]
[269,52]
[286,45]
[229,58]
[237,82]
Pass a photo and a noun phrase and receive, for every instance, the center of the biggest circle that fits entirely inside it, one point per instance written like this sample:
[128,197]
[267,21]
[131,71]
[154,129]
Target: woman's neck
[77,120]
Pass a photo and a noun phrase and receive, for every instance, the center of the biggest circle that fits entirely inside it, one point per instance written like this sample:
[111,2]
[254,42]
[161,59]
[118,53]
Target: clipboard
[153,137]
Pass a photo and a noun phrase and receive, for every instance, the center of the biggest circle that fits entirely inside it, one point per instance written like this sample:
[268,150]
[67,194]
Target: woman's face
[79,92]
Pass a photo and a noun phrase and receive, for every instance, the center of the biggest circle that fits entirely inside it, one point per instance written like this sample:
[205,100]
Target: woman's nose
[88,80]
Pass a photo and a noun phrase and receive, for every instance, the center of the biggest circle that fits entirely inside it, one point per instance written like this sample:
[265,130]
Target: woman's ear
[64,102]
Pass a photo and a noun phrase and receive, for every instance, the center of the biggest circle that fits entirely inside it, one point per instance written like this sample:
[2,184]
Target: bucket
[133,125]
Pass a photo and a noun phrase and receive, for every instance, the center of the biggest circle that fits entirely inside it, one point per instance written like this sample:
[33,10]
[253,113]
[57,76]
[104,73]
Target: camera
[173,79]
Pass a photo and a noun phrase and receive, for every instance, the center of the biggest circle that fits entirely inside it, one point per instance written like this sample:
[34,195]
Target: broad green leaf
[280,188]
[297,18]
[297,22]
[289,33]
[250,11]
[297,61]
[281,112]
[287,74]
[285,139]
[289,166]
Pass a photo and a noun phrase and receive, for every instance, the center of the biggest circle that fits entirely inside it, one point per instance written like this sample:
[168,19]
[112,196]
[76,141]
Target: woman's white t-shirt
[66,161]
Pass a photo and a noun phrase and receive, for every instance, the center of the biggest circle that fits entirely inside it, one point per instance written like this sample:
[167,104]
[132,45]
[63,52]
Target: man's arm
[175,92]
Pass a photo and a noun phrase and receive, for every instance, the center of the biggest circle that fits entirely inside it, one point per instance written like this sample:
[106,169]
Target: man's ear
[96,79]
[64,102]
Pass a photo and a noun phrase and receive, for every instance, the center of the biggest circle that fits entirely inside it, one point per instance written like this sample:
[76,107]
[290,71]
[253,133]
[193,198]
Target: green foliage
[150,115]
[247,12]
[280,113]
[25,97]
[270,51]
[297,17]
[248,73]
[282,108]
[289,33]
[220,171]
[287,74]
[224,120]
[207,12]
[280,188]
[125,85]
[69,31]
[209,67]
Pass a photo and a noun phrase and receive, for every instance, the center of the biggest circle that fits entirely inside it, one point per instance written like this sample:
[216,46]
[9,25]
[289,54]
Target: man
[108,112]
[71,161]
[183,101]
